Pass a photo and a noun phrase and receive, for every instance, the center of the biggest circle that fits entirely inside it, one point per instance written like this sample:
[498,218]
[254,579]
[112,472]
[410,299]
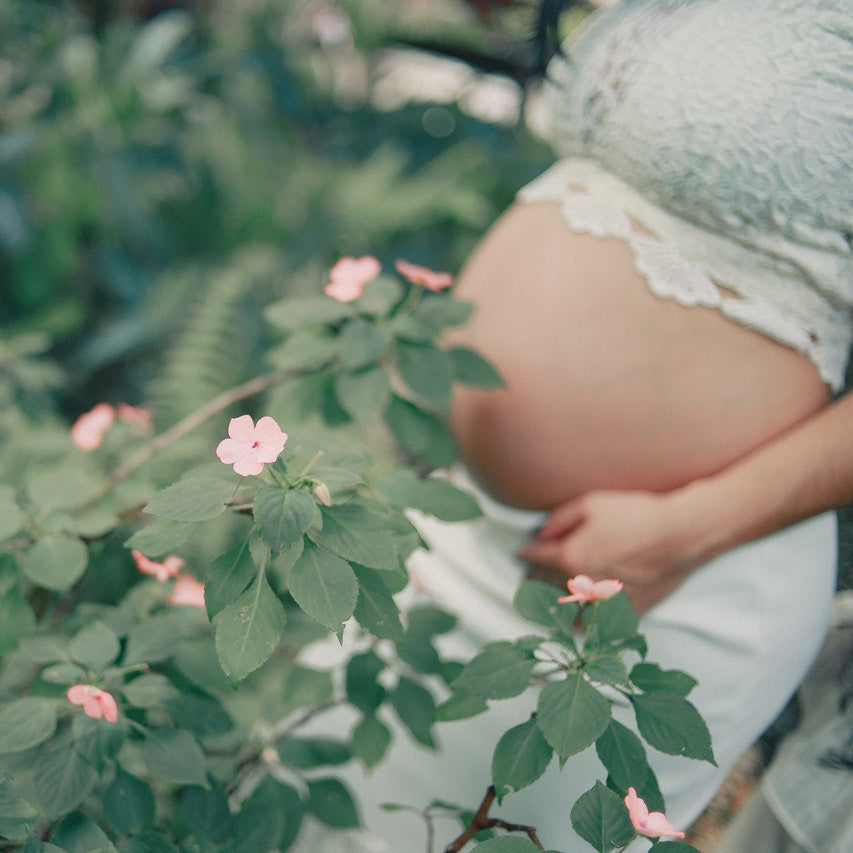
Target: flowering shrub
[308,541]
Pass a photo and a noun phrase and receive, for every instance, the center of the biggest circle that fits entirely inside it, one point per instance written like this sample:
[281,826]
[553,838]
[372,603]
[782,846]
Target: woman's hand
[646,540]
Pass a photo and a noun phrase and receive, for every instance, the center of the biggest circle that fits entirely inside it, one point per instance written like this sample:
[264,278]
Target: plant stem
[188,424]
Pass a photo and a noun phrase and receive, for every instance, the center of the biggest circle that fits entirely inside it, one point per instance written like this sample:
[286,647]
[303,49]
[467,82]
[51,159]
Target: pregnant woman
[670,307]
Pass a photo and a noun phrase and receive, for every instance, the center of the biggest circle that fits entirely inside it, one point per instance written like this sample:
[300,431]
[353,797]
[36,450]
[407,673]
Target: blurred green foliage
[162,178]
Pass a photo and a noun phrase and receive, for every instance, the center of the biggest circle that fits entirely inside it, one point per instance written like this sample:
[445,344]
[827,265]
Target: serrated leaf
[376,609]
[63,779]
[324,586]
[364,393]
[128,803]
[537,601]
[498,672]
[607,670]
[610,620]
[427,371]
[421,433]
[673,725]
[520,758]
[622,754]
[174,756]
[282,516]
[56,561]
[650,677]
[363,689]
[370,741]
[361,343]
[192,499]
[228,576]
[470,368]
[27,722]
[571,714]
[416,709]
[95,645]
[460,706]
[160,537]
[331,803]
[249,629]
[356,534]
[601,819]
[445,501]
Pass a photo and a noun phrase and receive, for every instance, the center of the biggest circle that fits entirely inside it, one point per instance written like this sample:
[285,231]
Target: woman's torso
[608,385]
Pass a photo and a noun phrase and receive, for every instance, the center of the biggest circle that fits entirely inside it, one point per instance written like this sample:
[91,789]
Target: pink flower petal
[652,825]
[96,703]
[242,429]
[77,694]
[135,415]
[249,465]
[250,446]
[343,291]
[434,281]
[162,571]
[88,430]
[229,450]
[583,588]
[108,706]
[188,592]
[348,277]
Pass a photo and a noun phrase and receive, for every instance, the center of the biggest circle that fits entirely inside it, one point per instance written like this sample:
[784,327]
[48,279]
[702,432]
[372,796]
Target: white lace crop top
[716,138]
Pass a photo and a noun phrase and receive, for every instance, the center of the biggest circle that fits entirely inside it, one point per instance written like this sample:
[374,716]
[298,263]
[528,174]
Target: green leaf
[78,833]
[650,677]
[11,515]
[192,499]
[56,561]
[16,815]
[331,803]
[376,609]
[324,586]
[160,537]
[623,755]
[461,705]
[672,725]
[282,516]
[415,708]
[45,648]
[362,342]
[610,620]
[498,672]
[601,819]
[206,812]
[672,847]
[427,371]
[428,620]
[303,753]
[606,669]
[362,685]
[420,654]
[155,639]
[260,822]
[63,779]
[443,311]
[27,722]
[470,368]
[16,619]
[421,433]
[506,844]
[380,295]
[445,501]
[249,629]
[306,350]
[302,686]
[174,756]
[363,393]
[537,601]
[571,714]
[370,741]
[520,758]
[95,645]
[228,576]
[295,313]
[151,690]
[128,803]
[358,535]
[62,488]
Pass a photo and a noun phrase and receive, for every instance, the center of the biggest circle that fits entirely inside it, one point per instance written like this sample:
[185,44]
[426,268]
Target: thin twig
[188,424]
[481,820]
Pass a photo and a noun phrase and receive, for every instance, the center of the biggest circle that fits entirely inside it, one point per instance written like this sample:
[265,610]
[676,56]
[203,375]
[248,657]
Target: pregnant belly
[607,385]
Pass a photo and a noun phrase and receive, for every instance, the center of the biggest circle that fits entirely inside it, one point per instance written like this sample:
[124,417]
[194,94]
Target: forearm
[801,473]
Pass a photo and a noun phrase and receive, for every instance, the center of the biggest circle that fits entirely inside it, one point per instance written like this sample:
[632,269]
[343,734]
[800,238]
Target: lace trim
[596,203]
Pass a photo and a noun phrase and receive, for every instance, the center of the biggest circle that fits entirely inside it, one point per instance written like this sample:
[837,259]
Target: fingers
[563,520]
[548,553]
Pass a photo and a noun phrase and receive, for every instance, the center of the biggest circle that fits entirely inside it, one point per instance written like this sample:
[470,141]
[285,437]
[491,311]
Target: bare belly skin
[607,385]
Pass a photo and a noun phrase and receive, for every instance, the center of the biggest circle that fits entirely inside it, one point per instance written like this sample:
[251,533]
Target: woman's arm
[652,541]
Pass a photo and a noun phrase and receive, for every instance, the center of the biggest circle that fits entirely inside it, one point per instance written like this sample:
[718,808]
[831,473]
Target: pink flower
[88,430]
[248,446]
[583,588]
[349,275]
[135,415]
[96,703]
[433,281]
[652,825]
[169,568]
[188,592]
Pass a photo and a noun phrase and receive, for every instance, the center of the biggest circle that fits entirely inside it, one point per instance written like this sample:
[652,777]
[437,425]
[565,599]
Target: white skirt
[746,625]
